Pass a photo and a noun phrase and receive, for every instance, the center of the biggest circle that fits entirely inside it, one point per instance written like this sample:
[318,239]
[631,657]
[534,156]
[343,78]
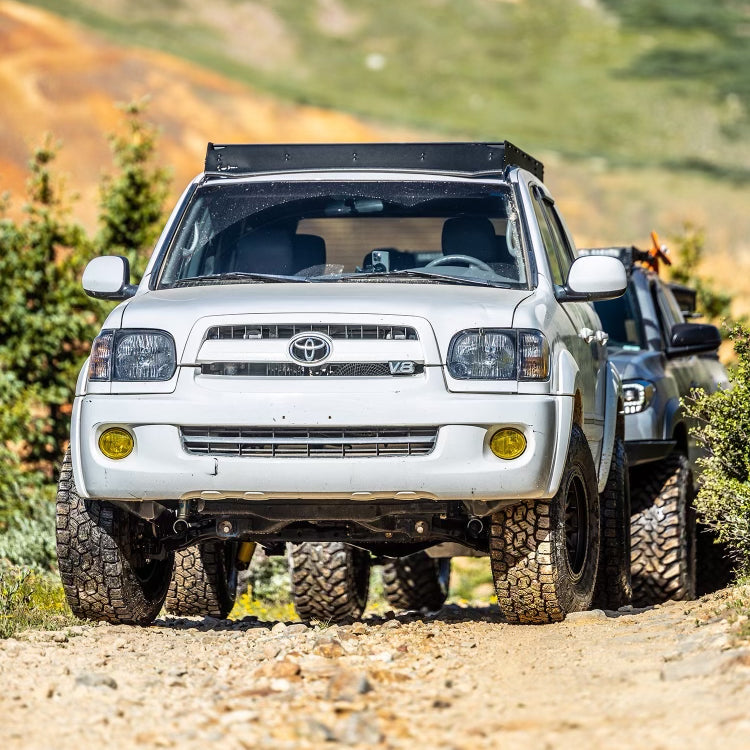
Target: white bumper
[460,467]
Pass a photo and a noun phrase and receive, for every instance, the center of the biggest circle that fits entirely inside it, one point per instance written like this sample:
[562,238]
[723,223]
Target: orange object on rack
[657,254]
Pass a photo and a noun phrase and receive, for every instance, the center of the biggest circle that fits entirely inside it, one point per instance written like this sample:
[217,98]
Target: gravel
[463,679]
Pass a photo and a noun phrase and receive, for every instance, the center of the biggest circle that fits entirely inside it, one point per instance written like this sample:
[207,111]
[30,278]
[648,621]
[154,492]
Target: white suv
[378,352]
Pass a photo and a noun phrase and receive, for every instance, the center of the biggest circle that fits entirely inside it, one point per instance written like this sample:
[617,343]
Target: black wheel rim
[576,527]
[150,575]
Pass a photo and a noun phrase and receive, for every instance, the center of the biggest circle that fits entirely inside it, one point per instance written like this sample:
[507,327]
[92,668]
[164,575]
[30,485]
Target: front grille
[289,369]
[365,442]
[334,331]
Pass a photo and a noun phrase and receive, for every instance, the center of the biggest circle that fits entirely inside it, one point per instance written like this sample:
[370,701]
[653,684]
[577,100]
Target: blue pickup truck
[662,357]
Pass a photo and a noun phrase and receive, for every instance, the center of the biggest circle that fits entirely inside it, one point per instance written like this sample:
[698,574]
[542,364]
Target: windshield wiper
[411,273]
[239,276]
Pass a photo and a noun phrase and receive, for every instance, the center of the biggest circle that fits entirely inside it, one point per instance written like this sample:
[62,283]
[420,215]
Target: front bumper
[461,466]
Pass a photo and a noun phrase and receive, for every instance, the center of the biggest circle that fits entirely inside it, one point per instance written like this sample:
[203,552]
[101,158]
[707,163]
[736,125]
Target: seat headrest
[309,250]
[265,251]
[470,235]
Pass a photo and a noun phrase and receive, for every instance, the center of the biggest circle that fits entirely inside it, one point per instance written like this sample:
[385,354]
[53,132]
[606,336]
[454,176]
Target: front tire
[101,553]
[662,527]
[417,581]
[330,581]
[544,553]
[204,581]
[614,587]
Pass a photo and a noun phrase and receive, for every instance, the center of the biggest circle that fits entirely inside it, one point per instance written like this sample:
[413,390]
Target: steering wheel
[448,259]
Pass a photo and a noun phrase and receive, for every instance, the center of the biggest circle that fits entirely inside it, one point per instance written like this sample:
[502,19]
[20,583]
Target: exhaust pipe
[474,527]
[181,525]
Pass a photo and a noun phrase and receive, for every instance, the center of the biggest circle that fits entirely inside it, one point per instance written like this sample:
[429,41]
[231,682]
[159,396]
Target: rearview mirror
[693,338]
[108,277]
[594,277]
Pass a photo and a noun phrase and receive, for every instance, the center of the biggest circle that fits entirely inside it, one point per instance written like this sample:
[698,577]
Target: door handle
[587,335]
[602,337]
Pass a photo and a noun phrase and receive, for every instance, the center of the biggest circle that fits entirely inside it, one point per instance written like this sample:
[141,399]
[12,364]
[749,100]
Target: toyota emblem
[310,348]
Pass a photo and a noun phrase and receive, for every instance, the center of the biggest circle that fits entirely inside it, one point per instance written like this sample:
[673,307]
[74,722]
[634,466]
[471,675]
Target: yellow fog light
[508,443]
[116,443]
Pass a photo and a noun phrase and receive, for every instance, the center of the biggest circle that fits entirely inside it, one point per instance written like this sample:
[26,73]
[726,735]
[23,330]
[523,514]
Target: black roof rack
[629,255]
[473,158]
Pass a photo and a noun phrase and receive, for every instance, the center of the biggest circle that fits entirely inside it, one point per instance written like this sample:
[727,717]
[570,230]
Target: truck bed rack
[476,159]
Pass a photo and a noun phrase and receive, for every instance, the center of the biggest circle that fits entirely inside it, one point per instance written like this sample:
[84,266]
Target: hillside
[58,78]
[62,77]
[571,76]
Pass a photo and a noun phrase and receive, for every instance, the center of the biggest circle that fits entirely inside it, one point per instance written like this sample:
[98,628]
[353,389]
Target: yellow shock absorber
[245,552]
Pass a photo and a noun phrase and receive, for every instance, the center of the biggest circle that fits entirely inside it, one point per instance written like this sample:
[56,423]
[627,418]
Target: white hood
[446,309]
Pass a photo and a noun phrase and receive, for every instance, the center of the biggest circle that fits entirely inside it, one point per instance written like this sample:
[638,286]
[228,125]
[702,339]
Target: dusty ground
[670,677]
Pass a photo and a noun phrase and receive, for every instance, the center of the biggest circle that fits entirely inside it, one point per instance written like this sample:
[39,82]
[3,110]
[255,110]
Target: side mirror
[693,338]
[594,277]
[108,277]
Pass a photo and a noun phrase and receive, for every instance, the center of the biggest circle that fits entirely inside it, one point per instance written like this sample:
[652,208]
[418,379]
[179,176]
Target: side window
[668,310]
[561,236]
[559,272]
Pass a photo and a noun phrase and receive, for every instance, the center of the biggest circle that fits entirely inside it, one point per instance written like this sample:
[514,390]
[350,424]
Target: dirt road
[670,677]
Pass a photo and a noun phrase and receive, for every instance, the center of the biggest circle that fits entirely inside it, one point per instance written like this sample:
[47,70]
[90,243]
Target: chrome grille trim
[289,369]
[288,442]
[333,330]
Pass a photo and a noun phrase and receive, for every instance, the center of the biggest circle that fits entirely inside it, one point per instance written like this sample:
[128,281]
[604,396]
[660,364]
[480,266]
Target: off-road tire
[614,587]
[105,573]
[204,580]
[662,528]
[417,581]
[330,581]
[542,568]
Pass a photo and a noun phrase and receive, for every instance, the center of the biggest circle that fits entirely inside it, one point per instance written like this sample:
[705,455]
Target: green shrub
[723,431]
[29,541]
[268,578]
[30,600]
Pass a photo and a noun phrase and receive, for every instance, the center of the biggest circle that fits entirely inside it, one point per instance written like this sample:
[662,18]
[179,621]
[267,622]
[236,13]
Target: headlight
[498,354]
[637,395]
[132,355]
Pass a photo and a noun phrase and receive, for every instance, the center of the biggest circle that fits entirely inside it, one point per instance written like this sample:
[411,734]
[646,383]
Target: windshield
[621,320]
[250,232]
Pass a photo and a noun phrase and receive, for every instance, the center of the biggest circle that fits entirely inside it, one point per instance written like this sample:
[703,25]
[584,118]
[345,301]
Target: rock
[279,628]
[314,731]
[359,628]
[96,679]
[283,669]
[296,628]
[10,646]
[271,650]
[391,624]
[241,716]
[330,648]
[592,615]
[384,656]
[704,664]
[59,638]
[314,666]
[359,728]
[346,685]
[280,685]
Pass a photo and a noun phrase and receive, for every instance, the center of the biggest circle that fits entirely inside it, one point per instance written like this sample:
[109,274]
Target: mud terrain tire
[204,580]
[103,566]
[662,528]
[544,553]
[330,581]
[417,581]
[614,588]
